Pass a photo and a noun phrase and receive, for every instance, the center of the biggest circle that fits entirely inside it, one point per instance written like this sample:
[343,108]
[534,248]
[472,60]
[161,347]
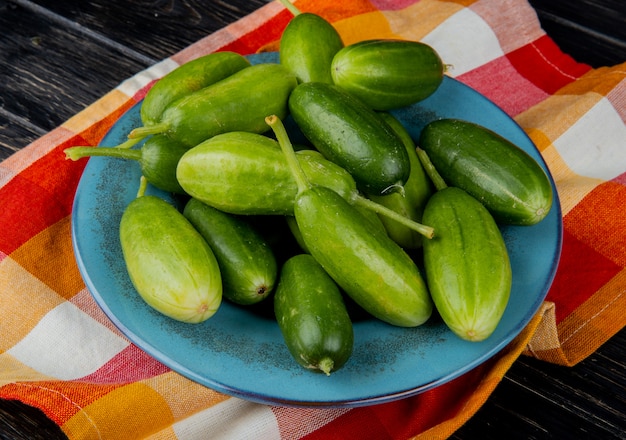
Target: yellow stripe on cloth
[117,416]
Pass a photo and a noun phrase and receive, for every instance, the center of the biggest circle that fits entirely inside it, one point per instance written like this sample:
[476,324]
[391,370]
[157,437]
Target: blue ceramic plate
[242,353]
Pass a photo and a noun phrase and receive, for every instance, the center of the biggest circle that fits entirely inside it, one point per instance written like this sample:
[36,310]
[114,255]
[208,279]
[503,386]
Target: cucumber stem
[143,184]
[285,144]
[326,365]
[430,170]
[287,4]
[129,143]
[303,184]
[76,153]
[142,132]
[426,231]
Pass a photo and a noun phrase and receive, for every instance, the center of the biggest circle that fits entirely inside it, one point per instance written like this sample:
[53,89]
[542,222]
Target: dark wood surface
[59,56]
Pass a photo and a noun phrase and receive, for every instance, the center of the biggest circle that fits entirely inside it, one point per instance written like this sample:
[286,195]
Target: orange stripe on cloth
[585,329]
[594,321]
[116,415]
[603,81]
[60,401]
[19,316]
[35,257]
[556,114]
[12,370]
[431,13]
[607,234]
[94,122]
[184,396]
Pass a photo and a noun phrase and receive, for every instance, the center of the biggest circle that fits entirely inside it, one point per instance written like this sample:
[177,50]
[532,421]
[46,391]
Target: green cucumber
[188,78]
[307,47]
[352,135]
[370,267]
[502,176]
[245,259]
[169,263]
[388,74]
[158,158]
[312,316]
[417,190]
[370,215]
[246,173]
[467,263]
[239,102]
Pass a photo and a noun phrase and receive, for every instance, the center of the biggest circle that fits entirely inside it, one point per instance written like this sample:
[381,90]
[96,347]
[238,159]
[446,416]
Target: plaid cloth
[60,353]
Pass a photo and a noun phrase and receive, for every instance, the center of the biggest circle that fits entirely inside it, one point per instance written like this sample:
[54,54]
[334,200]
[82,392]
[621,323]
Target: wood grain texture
[544,401]
[599,26]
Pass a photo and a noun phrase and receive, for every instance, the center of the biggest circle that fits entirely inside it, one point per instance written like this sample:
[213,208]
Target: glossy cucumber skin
[467,264]
[370,267]
[159,159]
[502,176]
[388,74]
[171,266]
[188,78]
[246,261]
[417,190]
[352,135]
[312,316]
[375,219]
[246,173]
[237,103]
[307,47]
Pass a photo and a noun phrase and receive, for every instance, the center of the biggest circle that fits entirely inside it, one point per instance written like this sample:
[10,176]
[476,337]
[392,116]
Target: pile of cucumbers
[399,228]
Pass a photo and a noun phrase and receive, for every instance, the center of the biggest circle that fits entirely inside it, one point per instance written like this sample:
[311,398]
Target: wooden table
[59,56]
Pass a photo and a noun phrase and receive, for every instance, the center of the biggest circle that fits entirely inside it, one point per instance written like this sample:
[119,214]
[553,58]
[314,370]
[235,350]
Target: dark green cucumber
[246,261]
[158,158]
[188,78]
[467,264]
[352,135]
[370,267]
[239,102]
[388,74]
[171,266]
[502,176]
[307,47]
[312,316]
[417,190]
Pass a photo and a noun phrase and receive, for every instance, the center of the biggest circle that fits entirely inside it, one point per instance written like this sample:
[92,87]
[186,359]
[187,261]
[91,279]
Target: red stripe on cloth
[577,277]
[39,196]
[268,32]
[499,81]
[404,418]
[544,64]
[59,400]
[129,365]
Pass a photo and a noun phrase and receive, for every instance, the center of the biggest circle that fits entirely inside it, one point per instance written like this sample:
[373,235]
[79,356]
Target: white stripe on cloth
[232,419]
[81,345]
